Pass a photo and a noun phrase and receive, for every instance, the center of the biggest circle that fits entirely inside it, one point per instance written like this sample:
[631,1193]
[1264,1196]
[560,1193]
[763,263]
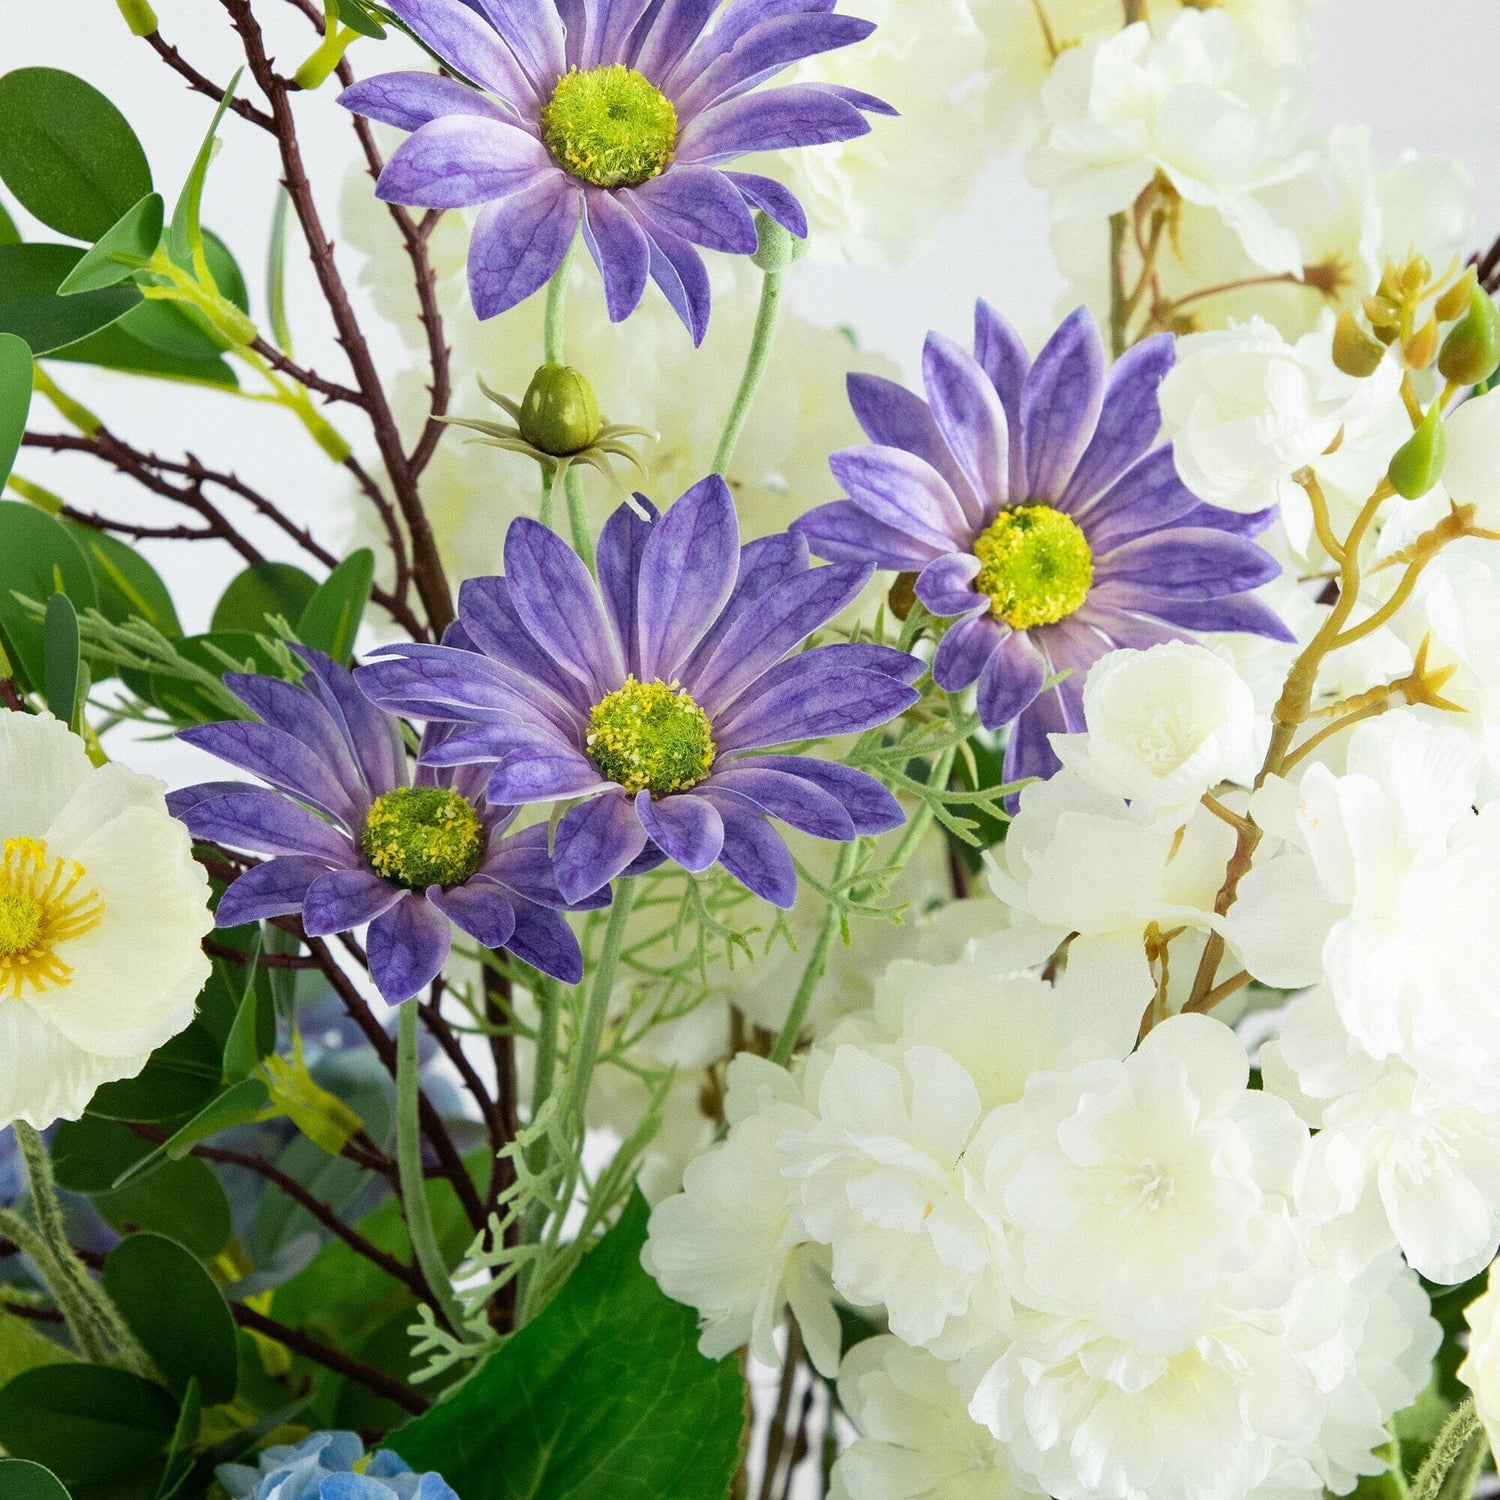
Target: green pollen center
[609,126]
[1035,565]
[20,923]
[422,836]
[651,737]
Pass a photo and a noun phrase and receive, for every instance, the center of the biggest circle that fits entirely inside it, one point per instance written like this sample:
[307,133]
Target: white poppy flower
[102,915]
[1164,726]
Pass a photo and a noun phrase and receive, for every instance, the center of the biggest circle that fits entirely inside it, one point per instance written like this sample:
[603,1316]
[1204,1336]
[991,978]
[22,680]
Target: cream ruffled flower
[102,916]
[1481,1370]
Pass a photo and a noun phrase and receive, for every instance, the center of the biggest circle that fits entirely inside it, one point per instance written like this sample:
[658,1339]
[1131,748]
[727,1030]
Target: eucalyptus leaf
[331,619]
[37,559]
[20,1479]
[15,399]
[61,664]
[116,348]
[264,589]
[30,307]
[135,237]
[126,584]
[181,1199]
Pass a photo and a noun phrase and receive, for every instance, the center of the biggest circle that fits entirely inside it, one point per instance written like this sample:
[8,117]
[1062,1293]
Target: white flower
[728,1244]
[1480,1371]
[1471,474]
[1246,410]
[102,916]
[1164,726]
[1193,106]
[1276,31]
[916,1440]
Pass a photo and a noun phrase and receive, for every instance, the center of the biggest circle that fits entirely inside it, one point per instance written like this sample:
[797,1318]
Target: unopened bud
[1355,352]
[1382,312]
[1422,345]
[903,595]
[1471,352]
[559,414]
[1455,300]
[1415,275]
[139,16]
[776,247]
[1418,464]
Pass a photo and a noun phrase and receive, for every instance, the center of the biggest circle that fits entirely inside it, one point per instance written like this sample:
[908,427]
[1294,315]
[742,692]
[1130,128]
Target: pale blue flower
[323,1467]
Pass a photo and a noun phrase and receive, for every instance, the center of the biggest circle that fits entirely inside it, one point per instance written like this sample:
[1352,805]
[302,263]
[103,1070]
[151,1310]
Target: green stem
[578,520]
[414,1202]
[544,515]
[596,1011]
[817,962]
[755,369]
[557,303]
[87,1336]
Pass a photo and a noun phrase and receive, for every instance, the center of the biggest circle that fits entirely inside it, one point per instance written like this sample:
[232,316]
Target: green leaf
[135,236]
[183,1200]
[115,348]
[276,273]
[20,1479]
[30,307]
[60,660]
[604,1396]
[90,1153]
[23,1347]
[15,399]
[67,153]
[126,584]
[186,235]
[242,1104]
[253,1034]
[9,234]
[226,272]
[184,701]
[184,1439]
[262,590]
[37,558]
[94,1427]
[176,1311]
[355,15]
[183,1075]
[331,619]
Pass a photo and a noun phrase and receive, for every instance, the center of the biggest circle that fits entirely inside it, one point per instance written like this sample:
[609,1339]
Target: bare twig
[206,86]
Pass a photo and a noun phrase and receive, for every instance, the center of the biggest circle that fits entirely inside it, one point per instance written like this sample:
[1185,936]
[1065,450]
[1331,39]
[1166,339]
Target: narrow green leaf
[357,17]
[281,330]
[331,619]
[243,1104]
[135,237]
[114,348]
[30,307]
[20,1479]
[15,399]
[184,1439]
[67,153]
[37,559]
[244,1050]
[186,235]
[60,660]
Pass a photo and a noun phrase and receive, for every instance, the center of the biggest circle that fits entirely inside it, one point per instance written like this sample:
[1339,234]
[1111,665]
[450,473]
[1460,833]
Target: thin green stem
[557,303]
[578,520]
[755,368]
[817,962]
[596,1010]
[87,1336]
[414,1202]
[544,515]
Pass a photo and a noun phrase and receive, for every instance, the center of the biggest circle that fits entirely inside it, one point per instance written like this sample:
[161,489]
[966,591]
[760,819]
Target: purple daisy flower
[618,113]
[652,694]
[353,841]
[1028,499]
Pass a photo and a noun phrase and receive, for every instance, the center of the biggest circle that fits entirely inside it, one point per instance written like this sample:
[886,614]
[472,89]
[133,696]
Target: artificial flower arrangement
[813,937]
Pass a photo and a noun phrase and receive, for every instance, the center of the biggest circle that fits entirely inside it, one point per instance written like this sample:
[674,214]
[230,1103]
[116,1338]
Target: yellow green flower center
[651,737]
[39,912]
[421,836]
[609,126]
[1035,565]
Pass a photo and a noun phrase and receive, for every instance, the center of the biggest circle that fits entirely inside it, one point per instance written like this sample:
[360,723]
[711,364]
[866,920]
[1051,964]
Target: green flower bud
[1422,345]
[1471,352]
[139,16]
[776,246]
[1355,352]
[1455,300]
[1418,464]
[559,414]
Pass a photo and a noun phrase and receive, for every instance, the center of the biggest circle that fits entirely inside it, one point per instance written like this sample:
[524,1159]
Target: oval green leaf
[15,399]
[183,1200]
[127,585]
[30,307]
[67,153]
[331,620]
[135,237]
[61,662]
[177,1312]
[20,1479]
[37,559]
[262,590]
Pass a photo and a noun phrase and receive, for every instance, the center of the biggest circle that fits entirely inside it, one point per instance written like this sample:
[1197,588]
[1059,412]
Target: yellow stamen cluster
[421,836]
[1035,566]
[610,126]
[649,736]
[39,912]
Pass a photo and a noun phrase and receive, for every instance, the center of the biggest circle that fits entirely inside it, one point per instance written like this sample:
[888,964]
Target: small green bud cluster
[559,414]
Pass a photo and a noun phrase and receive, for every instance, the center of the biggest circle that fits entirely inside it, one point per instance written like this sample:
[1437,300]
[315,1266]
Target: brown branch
[440,1031]
[303,376]
[405,1396]
[206,86]
[32,1314]
[1487,267]
[96,522]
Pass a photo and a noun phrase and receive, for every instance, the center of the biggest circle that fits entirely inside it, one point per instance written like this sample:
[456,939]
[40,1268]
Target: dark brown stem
[303,376]
[32,1314]
[262,961]
[776,1434]
[1487,267]
[405,1396]
[10,696]
[206,86]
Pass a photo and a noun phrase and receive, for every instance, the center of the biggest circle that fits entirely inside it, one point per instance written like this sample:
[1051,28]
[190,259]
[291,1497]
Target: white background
[1421,75]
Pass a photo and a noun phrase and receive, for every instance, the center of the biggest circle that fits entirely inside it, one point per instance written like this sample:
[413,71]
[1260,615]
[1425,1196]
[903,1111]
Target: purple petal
[274,889]
[1147,497]
[900,490]
[1012,677]
[411,100]
[946,587]
[673,30]
[480,907]
[1028,750]
[1003,356]
[860,100]
[373,735]
[702,206]
[461,39]
[560,605]
[764,51]
[968,412]
[797,802]
[441,682]
[773,199]
[407,946]
[842,532]
[595,841]
[871,807]
[1129,420]
[618,245]
[546,942]
[539,773]
[458,161]
[894,417]
[803,701]
[1060,404]
[1128,628]
[678,270]
[866,656]
[301,715]
[964,650]
[1242,523]
[1238,612]
[611,25]
[345,899]
[522,863]
[1188,563]
[783,617]
[802,114]
[618,564]
[180,803]
[491,621]
[764,563]
[280,760]
[686,828]
[519,242]
[688,569]
[532,29]
[261,822]
[755,854]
